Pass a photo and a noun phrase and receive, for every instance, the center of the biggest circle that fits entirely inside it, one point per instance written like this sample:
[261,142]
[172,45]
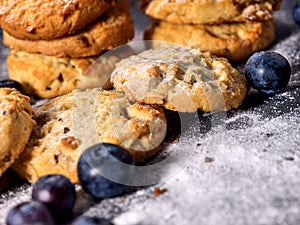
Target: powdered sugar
[244,168]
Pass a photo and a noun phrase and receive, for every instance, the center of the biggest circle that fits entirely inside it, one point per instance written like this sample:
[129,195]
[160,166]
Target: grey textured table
[244,172]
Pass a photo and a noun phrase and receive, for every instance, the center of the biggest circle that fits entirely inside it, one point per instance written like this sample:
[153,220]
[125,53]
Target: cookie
[110,30]
[210,12]
[47,76]
[17,122]
[69,124]
[185,80]
[47,19]
[235,41]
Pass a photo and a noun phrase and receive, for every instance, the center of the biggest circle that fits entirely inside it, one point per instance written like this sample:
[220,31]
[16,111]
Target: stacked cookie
[53,43]
[229,28]
[17,122]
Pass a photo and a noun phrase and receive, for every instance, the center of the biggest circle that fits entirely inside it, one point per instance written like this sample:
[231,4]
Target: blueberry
[57,193]
[8,83]
[296,13]
[99,165]
[85,220]
[268,72]
[29,213]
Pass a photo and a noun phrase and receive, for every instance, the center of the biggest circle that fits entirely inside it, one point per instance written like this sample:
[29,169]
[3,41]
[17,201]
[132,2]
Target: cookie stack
[54,42]
[229,28]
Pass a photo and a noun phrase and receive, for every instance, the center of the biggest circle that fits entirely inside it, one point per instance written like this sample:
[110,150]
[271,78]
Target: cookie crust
[47,19]
[66,126]
[210,12]
[180,79]
[110,30]
[17,122]
[47,76]
[235,41]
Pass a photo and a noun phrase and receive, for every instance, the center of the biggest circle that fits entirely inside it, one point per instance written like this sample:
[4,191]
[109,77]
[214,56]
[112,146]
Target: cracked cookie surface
[69,124]
[47,19]
[180,79]
[112,29]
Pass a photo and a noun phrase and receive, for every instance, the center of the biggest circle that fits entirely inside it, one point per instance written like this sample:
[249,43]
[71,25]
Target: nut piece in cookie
[69,124]
[210,12]
[17,122]
[180,79]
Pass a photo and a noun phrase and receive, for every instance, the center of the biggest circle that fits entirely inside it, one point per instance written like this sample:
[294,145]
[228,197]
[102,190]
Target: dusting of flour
[243,170]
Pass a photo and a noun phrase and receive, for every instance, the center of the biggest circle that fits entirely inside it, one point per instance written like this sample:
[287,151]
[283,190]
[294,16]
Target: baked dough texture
[235,41]
[17,122]
[210,11]
[69,124]
[110,30]
[47,76]
[47,19]
[180,79]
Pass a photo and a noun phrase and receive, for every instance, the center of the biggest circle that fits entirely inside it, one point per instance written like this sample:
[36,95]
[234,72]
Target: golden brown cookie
[235,41]
[210,11]
[180,79]
[69,124]
[17,122]
[110,30]
[47,19]
[47,76]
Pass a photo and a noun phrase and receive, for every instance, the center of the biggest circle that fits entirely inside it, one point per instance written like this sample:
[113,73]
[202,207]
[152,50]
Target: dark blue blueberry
[85,220]
[268,72]
[11,84]
[57,193]
[28,213]
[99,165]
[296,13]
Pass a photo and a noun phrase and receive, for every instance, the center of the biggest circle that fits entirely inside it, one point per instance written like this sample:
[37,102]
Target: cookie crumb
[289,158]
[158,191]
[208,159]
[122,199]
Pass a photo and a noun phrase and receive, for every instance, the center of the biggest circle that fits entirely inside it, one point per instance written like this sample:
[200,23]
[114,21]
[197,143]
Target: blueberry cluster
[53,196]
